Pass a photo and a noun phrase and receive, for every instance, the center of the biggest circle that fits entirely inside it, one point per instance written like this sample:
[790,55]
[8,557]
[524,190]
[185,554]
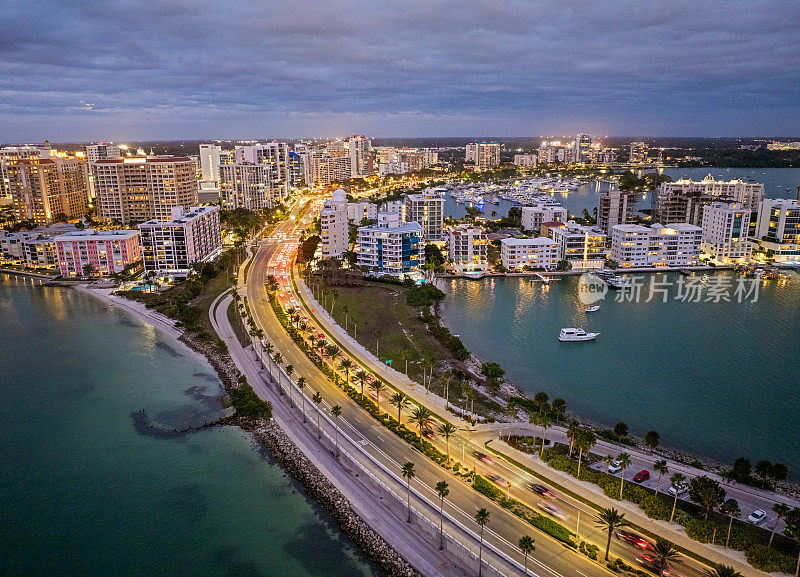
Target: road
[505,529]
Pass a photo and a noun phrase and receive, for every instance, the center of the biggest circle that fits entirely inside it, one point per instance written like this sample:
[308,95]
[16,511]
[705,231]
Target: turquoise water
[90,486]
[718,379]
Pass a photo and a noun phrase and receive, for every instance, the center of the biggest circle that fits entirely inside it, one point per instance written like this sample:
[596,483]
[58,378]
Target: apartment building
[725,226]
[334,226]
[245,185]
[140,189]
[358,150]
[584,247]
[173,246]
[210,159]
[467,247]
[427,208]
[99,252]
[674,245]
[391,247]
[638,153]
[534,216]
[616,207]
[358,211]
[482,155]
[536,253]
[323,168]
[685,199]
[525,160]
[582,148]
[275,157]
[778,228]
[101,151]
[42,188]
[9,155]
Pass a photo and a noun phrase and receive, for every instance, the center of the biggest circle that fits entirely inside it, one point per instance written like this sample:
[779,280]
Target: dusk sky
[72,71]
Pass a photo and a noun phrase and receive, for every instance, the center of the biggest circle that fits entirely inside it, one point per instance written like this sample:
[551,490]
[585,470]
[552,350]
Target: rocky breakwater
[322,490]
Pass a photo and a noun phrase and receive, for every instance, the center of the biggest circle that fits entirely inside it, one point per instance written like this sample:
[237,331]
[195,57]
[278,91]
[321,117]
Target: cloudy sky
[266,69]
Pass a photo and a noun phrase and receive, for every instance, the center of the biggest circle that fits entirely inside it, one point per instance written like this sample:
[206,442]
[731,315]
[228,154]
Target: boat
[592,309]
[575,334]
[618,282]
[685,272]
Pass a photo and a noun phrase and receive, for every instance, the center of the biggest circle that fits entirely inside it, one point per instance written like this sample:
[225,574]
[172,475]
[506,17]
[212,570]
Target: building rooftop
[538,241]
[93,234]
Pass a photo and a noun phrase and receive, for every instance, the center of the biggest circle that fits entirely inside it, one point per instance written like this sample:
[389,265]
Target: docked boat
[592,309]
[575,334]
[685,272]
[618,282]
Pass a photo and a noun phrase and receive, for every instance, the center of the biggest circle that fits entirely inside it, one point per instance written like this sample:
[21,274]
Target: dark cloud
[187,69]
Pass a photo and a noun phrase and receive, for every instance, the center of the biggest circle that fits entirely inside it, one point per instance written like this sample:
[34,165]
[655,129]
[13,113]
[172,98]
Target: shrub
[700,530]
[769,560]
[655,508]
[247,403]
[487,488]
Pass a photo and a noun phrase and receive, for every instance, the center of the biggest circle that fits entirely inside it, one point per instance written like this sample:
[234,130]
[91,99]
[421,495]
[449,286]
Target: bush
[700,530]
[247,403]
[487,488]
[769,560]
[423,295]
[655,508]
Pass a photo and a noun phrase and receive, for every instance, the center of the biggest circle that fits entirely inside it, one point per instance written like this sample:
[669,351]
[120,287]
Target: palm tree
[317,398]
[378,335]
[610,520]
[378,387]
[361,378]
[545,422]
[333,352]
[289,370]
[675,480]
[526,546]
[665,554]
[447,430]
[278,358]
[609,460]
[405,355]
[443,490]
[584,441]
[733,511]
[661,468]
[346,311]
[399,400]
[652,439]
[337,412]
[511,412]
[408,474]
[301,383]
[422,417]
[345,365]
[572,431]
[722,571]
[481,518]
[780,510]
[624,460]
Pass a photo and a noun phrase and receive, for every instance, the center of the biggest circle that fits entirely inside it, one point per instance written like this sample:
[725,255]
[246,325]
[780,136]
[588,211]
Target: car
[728,505]
[497,480]
[551,509]
[641,476]
[653,565]
[428,434]
[615,467]
[757,516]
[634,539]
[482,457]
[542,490]
[680,489]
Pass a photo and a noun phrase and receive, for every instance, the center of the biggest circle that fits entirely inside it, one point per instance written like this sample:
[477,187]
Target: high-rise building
[539,252]
[358,211]
[334,226]
[93,252]
[675,245]
[210,161]
[391,247]
[322,168]
[684,199]
[467,248]
[139,189]
[584,247]
[295,169]
[725,226]
[173,246]
[358,148]
[546,154]
[525,160]
[42,188]
[778,228]
[638,154]
[534,216]
[245,185]
[482,155]
[274,155]
[583,148]
[10,155]
[616,207]
[427,208]
[101,151]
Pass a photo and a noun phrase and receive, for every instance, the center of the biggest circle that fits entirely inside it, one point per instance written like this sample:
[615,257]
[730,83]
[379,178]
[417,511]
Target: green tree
[408,474]
[763,470]
[624,460]
[289,371]
[482,519]
[665,554]
[559,408]
[527,547]
[706,492]
[422,417]
[610,520]
[301,383]
[722,571]
[399,400]
[675,480]
[447,430]
[346,365]
[378,387]
[337,412]
[494,374]
[584,441]
[442,489]
[621,431]
[652,439]
[793,530]
[317,398]
[661,468]
[780,510]
[733,511]
[361,378]
[278,359]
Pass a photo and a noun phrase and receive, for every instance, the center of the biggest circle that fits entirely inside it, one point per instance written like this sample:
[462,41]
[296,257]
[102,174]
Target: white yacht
[592,309]
[576,334]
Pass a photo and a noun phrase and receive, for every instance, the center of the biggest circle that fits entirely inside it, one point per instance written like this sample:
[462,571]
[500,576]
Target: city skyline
[235,70]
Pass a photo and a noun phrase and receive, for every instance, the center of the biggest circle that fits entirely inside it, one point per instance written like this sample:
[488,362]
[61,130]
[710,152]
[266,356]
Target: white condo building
[250,186]
[95,152]
[534,216]
[210,159]
[584,247]
[482,155]
[358,211]
[725,228]
[467,248]
[173,246]
[391,247]
[334,226]
[540,252]
[778,228]
[583,148]
[675,245]
[684,199]
[525,160]
[358,149]
[426,208]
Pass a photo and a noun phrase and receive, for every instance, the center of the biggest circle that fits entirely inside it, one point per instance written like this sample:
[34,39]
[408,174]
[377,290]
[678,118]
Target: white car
[680,489]
[757,516]
[615,467]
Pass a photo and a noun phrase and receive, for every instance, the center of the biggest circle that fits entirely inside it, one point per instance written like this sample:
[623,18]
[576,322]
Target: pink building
[107,251]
